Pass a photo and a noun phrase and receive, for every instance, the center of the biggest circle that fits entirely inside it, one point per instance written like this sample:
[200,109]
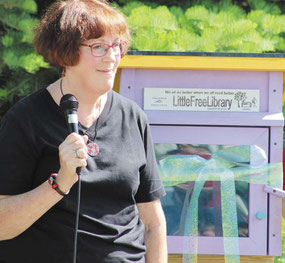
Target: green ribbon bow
[237,163]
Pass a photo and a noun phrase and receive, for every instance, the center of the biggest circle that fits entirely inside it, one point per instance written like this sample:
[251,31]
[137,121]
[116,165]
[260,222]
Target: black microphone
[69,105]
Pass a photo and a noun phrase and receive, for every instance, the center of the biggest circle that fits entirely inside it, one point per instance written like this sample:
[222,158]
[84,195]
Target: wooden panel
[117,81]
[220,259]
[283,100]
[275,92]
[213,63]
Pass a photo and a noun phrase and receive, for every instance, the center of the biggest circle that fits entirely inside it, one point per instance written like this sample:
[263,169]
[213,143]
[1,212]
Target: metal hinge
[274,191]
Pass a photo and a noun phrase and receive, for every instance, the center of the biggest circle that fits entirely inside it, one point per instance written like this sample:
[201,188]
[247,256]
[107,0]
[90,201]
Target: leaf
[32,62]
[159,17]
[135,19]
[23,57]
[7,40]
[280,45]
[185,41]
[176,11]
[3,94]
[152,40]
[17,20]
[128,8]
[163,18]
[269,8]
[29,6]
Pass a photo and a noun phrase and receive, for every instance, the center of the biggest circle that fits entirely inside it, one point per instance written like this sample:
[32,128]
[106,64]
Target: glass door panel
[204,142]
[209,205]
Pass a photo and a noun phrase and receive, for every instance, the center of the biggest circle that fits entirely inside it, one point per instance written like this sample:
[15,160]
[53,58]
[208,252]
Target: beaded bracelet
[54,185]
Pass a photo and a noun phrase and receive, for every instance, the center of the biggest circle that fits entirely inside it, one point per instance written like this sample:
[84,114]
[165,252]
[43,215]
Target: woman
[121,219]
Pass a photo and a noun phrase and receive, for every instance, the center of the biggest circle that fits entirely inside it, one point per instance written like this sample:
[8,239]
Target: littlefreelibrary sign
[233,100]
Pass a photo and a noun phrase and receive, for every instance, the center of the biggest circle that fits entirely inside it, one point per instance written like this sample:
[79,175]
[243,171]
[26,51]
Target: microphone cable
[69,105]
[78,170]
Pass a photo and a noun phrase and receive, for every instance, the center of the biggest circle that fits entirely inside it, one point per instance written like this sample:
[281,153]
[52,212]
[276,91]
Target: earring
[63,73]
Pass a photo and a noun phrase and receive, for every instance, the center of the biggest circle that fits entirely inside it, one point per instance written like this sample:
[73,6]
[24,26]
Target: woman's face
[97,73]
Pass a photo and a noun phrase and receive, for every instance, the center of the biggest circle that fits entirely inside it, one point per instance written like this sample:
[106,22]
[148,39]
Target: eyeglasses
[101,49]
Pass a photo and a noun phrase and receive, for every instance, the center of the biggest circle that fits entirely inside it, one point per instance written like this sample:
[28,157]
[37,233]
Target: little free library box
[217,126]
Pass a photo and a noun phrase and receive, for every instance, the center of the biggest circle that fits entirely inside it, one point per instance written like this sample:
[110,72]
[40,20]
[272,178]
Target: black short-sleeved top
[122,174]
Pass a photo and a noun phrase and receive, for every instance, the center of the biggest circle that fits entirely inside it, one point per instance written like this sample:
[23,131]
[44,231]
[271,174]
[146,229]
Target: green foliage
[125,3]
[127,9]
[208,25]
[22,83]
[153,30]
[29,6]
[20,66]
[176,11]
[265,6]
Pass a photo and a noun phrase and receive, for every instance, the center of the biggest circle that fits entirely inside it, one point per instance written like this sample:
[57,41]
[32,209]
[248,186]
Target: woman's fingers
[85,138]
[73,151]
[72,154]
[75,141]
[80,153]
[72,137]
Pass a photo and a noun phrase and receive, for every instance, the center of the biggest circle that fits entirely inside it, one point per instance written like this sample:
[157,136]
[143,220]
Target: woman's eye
[97,47]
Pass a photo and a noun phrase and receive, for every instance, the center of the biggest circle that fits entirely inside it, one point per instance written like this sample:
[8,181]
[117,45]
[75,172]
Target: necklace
[92,146]
[60,86]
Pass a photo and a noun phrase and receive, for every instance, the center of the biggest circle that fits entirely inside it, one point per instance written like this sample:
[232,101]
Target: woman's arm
[152,215]
[19,212]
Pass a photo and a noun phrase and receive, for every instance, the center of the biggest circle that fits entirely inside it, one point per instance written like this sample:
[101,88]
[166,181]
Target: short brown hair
[66,24]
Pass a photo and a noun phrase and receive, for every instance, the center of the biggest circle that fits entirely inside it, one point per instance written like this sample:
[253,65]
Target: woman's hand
[19,212]
[72,154]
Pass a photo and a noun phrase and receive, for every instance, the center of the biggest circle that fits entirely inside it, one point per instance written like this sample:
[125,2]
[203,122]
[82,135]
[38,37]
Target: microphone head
[68,102]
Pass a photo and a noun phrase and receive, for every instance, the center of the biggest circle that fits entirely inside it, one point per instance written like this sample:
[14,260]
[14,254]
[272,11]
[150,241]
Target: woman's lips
[105,71]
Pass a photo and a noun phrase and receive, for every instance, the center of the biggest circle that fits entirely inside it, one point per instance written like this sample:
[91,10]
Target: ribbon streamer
[237,163]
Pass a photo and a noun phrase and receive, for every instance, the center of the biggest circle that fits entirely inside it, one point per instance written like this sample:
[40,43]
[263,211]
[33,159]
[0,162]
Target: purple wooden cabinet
[198,127]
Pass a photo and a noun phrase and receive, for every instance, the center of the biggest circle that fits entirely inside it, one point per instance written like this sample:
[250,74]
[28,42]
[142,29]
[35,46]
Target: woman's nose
[110,55]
